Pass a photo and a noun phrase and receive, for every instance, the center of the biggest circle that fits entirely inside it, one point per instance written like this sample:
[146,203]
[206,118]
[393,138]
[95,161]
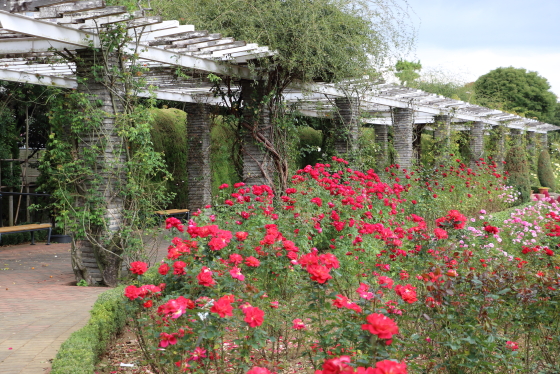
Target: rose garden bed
[346,275]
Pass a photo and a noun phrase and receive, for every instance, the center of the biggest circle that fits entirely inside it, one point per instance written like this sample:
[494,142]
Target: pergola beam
[50,31]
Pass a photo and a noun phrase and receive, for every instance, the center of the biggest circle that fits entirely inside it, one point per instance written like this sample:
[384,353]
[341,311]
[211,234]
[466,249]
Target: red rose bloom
[163,269]
[222,306]
[380,325]
[440,233]
[138,267]
[241,235]
[337,365]
[259,370]
[205,277]
[252,262]
[179,267]
[253,316]
[407,293]
[389,367]
[132,292]
[319,273]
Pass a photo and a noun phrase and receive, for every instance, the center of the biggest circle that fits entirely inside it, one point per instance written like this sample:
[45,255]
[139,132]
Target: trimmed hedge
[82,350]
[545,171]
[518,169]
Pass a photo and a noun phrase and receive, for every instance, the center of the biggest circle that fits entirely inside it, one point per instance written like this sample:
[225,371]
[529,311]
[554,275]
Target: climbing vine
[105,176]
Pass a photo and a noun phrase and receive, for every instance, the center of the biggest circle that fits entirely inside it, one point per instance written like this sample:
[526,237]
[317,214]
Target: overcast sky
[468,38]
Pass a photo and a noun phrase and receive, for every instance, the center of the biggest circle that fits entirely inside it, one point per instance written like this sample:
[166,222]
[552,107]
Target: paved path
[39,305]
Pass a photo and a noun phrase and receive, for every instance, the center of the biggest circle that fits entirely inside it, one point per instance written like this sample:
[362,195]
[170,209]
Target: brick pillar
[402,136]
[477,141]
[516,137]
[258,165]
[442,130]
[198,164]
[88,261]
[501,133]
[544,141]
[346,125]
[442,137]
[382,139]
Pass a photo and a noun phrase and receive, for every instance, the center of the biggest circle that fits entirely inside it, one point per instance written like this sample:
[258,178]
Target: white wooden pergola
[31,32]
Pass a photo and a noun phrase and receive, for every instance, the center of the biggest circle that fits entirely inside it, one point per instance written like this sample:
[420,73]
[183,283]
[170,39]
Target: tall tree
[519,91]
[407,71]
[322,39]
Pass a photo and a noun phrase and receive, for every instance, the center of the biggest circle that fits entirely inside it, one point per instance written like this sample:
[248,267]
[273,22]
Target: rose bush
[342,272]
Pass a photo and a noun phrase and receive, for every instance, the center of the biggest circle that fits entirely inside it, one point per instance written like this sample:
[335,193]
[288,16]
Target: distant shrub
[545,171]
[518,169]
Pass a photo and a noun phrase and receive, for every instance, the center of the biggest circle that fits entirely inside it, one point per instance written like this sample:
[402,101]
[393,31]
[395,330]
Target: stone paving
[40,305]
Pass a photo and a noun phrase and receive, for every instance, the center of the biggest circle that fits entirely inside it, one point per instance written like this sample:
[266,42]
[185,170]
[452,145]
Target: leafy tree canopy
[407,71]
[519,91]
[316,39]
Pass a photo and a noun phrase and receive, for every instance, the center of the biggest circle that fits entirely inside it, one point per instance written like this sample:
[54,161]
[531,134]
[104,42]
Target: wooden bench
[183,214]
[24,228]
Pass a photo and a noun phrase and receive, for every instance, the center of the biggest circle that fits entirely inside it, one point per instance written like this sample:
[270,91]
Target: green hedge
[82,350]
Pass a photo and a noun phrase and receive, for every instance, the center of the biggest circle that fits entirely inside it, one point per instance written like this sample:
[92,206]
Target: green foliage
[518,169]
[324,39]
[309,146]
[9,138]
[407,71]
[223,146]
[518,91]
[80,353]
[169,136]
[545,172]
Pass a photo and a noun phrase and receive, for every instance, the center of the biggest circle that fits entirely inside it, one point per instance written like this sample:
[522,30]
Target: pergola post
[501,132]
[198,164]
[477,141]
[89,262]
[544,141]
[258,165]
[402,136]
[516,137]
[442,130]
[382,139]
[442,136]
[346,125]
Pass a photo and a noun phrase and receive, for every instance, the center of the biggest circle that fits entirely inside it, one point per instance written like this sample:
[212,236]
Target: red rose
[440,233]
[380,325]
[337,365]
[179,267]
[163,269]
[407,293]
[253,316]
[259,370]
[252,262]
[223,307]
[389,367]
[205,277]
[319,273]
[241,235]
[132,292]
[138,267]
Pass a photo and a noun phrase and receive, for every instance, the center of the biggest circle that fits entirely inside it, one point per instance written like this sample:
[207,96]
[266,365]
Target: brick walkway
[39,305]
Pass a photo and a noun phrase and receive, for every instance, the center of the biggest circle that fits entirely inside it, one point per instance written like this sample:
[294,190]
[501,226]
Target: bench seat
[182,213]
[25,228]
